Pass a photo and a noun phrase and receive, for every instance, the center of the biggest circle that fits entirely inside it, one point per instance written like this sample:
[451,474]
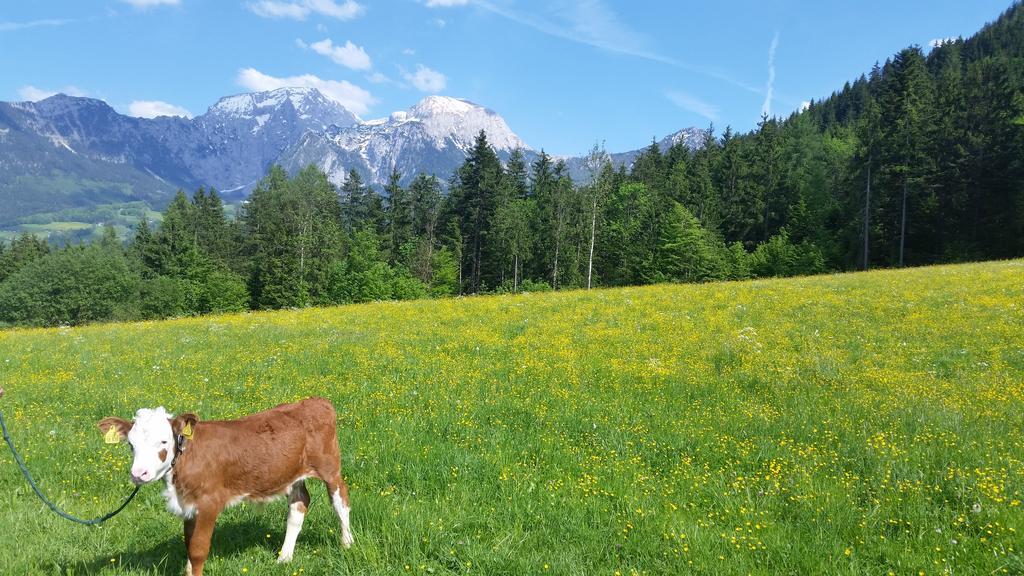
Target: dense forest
[920,161]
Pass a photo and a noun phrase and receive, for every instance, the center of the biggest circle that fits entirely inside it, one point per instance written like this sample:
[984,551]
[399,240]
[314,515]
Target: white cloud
[10,26]
[33,94]
[426,79]
[271,9]
[693,104]
[356,99]
[445,3]
[381,78]
[301,44]
[766,108]
[439,22]
[804,105]
[940,41]
[151,3]
[154,108]
[345,11]
[349,55]
[300,9]
[409,52]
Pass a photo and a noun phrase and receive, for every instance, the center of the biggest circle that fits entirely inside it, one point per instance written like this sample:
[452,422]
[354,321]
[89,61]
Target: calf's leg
[298,503]
[198,532]
[327,465]
[338,490]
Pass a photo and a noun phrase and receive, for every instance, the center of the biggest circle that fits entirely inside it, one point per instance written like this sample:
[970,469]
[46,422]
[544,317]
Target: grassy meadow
[849,424]
[75,225]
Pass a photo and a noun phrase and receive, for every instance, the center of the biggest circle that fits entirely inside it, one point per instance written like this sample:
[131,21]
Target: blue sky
[563,74]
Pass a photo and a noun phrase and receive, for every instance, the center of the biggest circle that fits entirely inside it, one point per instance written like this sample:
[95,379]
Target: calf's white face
[151,437]
[152,442]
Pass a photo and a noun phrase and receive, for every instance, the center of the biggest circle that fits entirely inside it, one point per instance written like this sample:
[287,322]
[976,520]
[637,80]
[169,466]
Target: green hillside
[852,424]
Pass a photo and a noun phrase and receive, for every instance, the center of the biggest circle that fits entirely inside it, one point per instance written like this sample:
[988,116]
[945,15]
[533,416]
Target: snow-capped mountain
[456,121]
[241,136]
[433,137]
[68,152]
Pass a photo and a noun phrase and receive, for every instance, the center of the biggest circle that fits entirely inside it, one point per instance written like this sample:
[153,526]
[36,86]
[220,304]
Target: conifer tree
[400,220]
[294,229]
[425,193]
[479,180]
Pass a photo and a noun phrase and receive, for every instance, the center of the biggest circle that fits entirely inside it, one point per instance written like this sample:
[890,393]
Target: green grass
[75,225]
[55,227]
[849,424]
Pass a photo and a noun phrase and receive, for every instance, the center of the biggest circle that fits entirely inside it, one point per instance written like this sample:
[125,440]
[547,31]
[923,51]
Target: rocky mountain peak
[307,104]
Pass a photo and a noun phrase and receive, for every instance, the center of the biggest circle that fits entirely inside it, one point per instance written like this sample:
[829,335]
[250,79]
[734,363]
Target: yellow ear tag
[112,436]
[187,431]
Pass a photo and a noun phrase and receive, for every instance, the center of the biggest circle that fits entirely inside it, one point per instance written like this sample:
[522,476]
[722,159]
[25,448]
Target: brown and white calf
[209,465]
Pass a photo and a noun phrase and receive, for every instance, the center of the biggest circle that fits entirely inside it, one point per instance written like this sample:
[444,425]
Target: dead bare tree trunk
[593,234]
[554,271]
[515,274]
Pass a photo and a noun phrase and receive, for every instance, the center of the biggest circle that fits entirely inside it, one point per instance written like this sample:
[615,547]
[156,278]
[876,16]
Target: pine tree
[516,175]
[629,239]
[649,169]
[868,136]
[294,229]
[542,184]
[425,192]
[144,247]
[993,141]
[23,250]
[949,151]
[742,211]
[214,235]
[512,232]
[353,202]
[400,221]
[177,236]
[907,115]
[559,217]
[701,190]
[511,220]
[687,252]
[767,171]
[479,180]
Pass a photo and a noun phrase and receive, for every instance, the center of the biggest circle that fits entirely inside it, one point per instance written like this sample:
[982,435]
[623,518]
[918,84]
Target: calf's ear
[184,425]
[114,429]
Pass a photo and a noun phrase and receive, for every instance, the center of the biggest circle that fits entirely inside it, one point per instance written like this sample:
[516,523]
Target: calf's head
[154,436]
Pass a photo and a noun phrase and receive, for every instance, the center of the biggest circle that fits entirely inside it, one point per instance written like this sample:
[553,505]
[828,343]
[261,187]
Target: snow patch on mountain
[243,105]
[431,137]
[305,103]
[60,142]
[445,117]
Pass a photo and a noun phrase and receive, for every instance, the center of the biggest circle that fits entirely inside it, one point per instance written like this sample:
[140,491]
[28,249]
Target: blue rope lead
[32,483]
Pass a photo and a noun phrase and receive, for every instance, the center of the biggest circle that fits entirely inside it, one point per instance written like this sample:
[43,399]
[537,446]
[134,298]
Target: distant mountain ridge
[692,138]
[68,152]
[432,137]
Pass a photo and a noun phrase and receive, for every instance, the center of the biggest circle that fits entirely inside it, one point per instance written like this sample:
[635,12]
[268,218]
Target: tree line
[921,161]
